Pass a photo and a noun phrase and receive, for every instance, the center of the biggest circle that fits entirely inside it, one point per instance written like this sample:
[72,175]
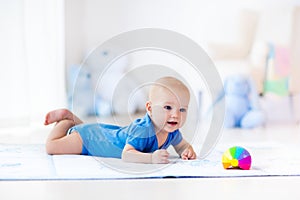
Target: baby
[143,141]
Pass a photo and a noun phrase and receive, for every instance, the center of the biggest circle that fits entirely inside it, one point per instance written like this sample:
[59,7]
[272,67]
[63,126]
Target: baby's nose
[175,112]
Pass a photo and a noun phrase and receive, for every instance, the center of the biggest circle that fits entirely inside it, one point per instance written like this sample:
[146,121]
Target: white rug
[30,162]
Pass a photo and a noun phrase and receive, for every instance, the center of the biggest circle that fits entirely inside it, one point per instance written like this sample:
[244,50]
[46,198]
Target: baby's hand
[160,156]
[188,154]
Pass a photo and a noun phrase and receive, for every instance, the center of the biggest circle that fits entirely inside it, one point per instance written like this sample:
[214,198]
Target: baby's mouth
[173,123]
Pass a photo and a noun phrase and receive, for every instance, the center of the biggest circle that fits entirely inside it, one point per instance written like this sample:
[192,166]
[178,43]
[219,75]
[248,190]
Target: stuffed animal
[242,103]
[81,96]
[117,96]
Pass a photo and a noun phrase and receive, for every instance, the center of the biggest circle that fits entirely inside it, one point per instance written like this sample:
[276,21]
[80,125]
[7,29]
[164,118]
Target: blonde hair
[170,83]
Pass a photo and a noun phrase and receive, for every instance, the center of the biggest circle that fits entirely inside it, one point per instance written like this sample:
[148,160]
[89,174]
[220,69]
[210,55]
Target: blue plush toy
[116,96]
[242,104]
[81,96]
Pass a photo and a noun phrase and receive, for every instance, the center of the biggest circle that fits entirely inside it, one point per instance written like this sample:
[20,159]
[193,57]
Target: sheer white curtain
[32,76]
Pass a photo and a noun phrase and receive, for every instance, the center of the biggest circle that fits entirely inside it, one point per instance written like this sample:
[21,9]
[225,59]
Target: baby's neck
[161,137]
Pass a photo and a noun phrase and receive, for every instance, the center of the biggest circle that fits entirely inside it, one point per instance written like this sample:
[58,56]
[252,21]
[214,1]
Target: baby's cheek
[158,112]
[158,115]
[182,119]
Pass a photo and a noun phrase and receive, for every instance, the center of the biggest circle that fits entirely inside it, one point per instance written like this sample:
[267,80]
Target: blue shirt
[107,140]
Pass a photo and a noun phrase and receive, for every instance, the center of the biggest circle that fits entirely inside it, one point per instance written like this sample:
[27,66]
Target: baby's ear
[148,107]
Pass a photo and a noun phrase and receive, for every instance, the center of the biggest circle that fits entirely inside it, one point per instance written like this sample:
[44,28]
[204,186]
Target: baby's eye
[168,107]
[182,110]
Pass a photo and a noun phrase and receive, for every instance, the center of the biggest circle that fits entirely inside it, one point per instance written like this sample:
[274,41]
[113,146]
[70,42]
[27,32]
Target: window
[32,78]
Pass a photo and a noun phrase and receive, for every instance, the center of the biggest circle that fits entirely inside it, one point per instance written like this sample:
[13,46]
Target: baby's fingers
[164,156]
[184,155]
[160,156]
[164,152]
[192,155]
[188,154]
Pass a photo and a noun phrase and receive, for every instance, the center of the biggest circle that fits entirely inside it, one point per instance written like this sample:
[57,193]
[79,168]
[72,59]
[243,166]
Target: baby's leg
[60,143]
[61,114]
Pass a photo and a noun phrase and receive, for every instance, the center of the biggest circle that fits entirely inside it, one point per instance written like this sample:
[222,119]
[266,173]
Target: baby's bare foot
[61,114]
[57,115]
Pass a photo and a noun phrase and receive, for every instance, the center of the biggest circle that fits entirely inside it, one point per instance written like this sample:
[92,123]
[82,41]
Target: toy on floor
[236,158]
[242,103]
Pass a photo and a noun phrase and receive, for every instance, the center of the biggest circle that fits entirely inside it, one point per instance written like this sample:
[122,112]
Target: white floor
[210,188]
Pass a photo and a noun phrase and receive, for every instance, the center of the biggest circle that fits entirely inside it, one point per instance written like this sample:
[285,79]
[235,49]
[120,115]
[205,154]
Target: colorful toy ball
[236,158]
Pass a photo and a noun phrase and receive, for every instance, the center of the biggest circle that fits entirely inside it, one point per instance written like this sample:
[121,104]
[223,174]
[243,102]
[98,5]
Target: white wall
[91,22]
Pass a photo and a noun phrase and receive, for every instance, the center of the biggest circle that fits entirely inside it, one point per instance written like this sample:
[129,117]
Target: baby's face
[169,109]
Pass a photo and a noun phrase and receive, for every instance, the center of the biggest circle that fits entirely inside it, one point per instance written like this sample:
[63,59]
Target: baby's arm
[185,150]
[130,154]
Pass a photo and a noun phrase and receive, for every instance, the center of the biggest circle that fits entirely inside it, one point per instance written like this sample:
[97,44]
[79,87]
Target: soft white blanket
[30,162]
